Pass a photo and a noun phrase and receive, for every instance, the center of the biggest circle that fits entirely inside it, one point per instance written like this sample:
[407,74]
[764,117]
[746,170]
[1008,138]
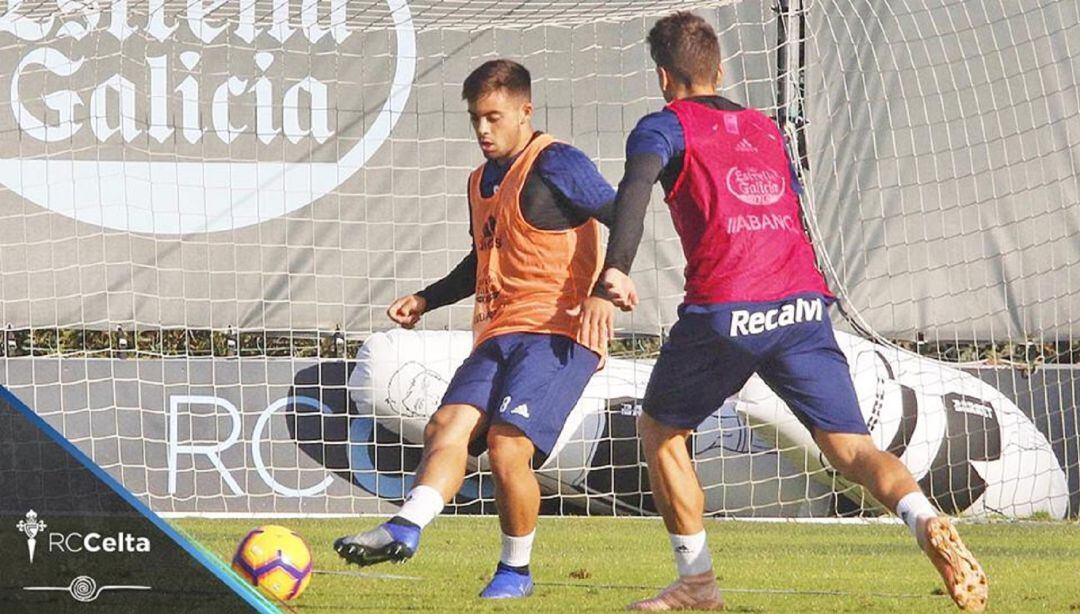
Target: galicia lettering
[215,72]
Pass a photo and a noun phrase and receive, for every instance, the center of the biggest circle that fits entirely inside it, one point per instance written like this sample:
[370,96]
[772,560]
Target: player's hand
[620,289]
[407,310]
[597,322]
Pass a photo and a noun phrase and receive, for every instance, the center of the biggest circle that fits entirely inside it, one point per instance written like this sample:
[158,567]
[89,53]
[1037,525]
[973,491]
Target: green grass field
[600,564]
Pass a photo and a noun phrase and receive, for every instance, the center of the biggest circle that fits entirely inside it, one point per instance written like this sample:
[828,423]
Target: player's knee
[649,430]
[655,434]
[851,457]
[843,461]
[508,448]
[432,431]
[449,426]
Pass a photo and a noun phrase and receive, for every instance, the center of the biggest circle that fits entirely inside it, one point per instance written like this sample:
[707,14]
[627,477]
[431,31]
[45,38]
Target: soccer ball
[276,560]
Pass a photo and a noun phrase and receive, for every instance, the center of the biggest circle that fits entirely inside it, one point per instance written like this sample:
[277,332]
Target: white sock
[691,554]
[912,508]
[421,506]
[516,551]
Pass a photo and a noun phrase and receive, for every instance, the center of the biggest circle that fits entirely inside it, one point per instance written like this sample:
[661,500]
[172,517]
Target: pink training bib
[737,212]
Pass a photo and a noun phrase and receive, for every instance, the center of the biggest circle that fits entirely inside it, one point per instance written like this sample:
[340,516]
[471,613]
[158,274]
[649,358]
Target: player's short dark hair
[686,46]
[497,75]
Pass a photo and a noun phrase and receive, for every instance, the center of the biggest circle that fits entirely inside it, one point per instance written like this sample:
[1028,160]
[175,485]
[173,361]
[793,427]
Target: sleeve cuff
[617,264]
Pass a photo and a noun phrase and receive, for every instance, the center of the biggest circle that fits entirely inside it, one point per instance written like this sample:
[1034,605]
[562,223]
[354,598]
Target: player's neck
[692,91]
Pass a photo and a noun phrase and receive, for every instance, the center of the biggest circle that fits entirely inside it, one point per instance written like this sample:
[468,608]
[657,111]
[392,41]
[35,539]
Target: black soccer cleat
[386,542]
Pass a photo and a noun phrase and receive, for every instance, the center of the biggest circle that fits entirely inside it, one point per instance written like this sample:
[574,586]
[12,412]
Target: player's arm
[631,204]
[650,147]
[579,188]
[458,284]
[614,288]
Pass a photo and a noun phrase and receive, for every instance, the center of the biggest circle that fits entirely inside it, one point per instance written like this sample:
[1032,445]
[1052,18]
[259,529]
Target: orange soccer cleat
[964,578]
[700,592]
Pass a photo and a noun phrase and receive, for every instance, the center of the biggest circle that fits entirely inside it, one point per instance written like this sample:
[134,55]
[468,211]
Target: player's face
[502,122]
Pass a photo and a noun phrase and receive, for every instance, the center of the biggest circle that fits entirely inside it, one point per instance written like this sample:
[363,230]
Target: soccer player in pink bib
[755,303]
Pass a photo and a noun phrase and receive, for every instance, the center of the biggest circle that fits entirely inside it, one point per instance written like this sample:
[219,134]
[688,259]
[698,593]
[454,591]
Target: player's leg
[517,493]
[517,496]
[672,478]
[697,370]
[545,376]
[680,500]
[857,458]
[439,477]
[447,435]
[442,467]
[811,374]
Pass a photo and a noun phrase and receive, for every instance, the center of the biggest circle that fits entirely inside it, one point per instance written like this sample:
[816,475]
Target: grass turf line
[601,564]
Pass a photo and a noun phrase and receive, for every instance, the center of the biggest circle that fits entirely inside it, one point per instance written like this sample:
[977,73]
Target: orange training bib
[527,279]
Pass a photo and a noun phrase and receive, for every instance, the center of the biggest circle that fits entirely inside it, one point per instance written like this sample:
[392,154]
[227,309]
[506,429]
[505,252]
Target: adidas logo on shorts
[521,410]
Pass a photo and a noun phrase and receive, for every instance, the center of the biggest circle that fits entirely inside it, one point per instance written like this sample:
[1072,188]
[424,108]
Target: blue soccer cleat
[508,583]
[386,542]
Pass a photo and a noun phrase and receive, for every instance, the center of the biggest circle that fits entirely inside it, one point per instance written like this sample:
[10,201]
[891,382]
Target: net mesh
[209,206]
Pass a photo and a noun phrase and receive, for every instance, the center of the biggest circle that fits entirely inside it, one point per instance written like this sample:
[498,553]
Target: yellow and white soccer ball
[274,559]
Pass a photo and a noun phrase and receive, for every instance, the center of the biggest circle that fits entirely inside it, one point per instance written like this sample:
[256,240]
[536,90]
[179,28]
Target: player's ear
[719,74]
[526,111]
[667,83]
[664,77]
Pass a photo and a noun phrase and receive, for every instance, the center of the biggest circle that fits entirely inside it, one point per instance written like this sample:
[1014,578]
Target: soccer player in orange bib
[755,303]
[534,206]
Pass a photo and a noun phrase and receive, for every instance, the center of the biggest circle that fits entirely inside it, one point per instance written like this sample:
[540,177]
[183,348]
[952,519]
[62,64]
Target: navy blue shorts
[714,349]
[531,381]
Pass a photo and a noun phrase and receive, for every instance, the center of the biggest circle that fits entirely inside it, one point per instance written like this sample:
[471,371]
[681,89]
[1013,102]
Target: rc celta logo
[30,527]
[171,118]
[94,542]
[76,542]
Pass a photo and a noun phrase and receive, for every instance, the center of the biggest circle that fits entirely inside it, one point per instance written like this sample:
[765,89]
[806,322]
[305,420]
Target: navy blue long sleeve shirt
[563,190]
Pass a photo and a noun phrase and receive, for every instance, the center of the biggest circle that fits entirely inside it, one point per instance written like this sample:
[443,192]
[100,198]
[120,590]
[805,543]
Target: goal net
[207,206]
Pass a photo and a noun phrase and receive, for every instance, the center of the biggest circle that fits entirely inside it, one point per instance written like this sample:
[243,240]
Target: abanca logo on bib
[172,118]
